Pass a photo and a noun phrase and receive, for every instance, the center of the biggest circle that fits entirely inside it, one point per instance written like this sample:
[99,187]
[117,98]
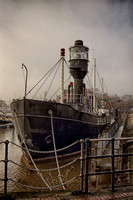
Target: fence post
[87,148]
[6,167]
[113,168]
[81,164]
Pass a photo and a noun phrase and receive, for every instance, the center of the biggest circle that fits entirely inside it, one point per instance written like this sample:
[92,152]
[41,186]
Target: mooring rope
[38,171]
[57,162]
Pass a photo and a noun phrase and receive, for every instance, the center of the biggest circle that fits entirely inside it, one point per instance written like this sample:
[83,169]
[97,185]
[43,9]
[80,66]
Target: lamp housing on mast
[62,52]
[78,55]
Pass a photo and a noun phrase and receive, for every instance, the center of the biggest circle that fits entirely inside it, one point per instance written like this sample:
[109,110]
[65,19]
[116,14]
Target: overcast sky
[33,31]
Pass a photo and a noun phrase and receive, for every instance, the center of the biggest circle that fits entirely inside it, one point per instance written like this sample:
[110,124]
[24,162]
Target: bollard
[6,167]
[81,165]
[113,168]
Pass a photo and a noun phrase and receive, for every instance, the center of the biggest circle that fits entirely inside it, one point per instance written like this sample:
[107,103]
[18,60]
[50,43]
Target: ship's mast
[94,85]
[62,76]
[102,94]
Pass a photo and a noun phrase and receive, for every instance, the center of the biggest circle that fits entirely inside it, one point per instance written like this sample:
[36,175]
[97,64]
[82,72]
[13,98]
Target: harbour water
[14,154]
[23,176]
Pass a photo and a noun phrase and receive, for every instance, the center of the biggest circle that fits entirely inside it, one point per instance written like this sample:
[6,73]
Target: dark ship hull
[33,125]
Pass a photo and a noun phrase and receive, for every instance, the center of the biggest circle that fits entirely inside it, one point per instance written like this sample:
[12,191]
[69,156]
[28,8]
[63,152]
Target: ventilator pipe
[70,86]
[69,93]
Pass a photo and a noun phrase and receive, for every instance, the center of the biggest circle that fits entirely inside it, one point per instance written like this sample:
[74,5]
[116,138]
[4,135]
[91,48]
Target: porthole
[48,139]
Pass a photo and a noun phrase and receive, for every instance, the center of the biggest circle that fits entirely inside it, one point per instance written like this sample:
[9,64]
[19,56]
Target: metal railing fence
[85,164]
[6,160]
[113,171]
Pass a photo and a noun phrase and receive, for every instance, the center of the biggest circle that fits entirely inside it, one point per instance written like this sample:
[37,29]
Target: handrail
[112,155]
[6,179]
[85,157]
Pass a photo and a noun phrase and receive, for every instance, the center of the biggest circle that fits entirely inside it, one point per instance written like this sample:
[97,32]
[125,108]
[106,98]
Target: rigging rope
[38,171]
[88,81]
[66,62]
[50,71]
[44,82]
[68,80]
[43,77]
[91,75]
[52,80]
[99,78]
[59,88]
[107,96]
[57,162]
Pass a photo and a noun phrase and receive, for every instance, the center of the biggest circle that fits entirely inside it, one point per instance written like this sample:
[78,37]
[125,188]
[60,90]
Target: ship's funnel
[78,67]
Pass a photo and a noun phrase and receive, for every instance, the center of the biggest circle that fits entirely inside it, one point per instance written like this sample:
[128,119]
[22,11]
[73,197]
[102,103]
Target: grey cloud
[34,31]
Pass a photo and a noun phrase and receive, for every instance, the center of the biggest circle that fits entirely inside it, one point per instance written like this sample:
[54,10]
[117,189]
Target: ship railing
[80,98]
[114,157]
[102,145]
[103,120]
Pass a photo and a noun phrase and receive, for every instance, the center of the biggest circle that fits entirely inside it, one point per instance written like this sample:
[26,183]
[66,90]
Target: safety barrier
[5,179]
[86,156]
[112,155]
